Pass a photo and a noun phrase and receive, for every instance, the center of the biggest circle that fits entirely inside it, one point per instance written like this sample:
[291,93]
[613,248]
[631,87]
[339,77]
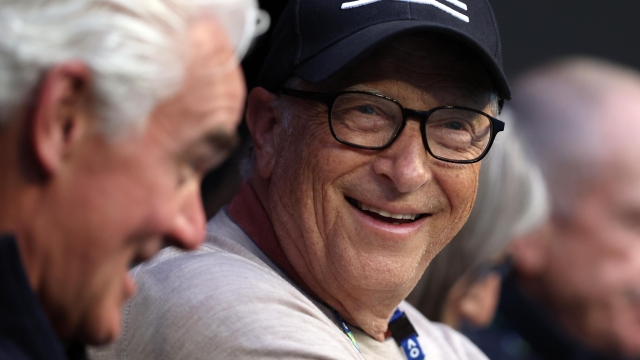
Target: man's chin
[103,328]
[106,323]
[101,336]
[380,266]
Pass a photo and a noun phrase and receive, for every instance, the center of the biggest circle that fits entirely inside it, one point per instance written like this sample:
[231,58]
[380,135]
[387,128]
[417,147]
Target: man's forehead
[441,90]
[441,93]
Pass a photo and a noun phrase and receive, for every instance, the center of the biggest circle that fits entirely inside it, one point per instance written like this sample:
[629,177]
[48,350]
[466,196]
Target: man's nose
[405,162]
[188,227]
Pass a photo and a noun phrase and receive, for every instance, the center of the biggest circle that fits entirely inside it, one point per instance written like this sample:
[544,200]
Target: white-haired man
[574,292]
[111,112]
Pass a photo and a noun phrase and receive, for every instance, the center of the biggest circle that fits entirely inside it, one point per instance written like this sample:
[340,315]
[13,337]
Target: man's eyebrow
[360,87]
[464,97]
[222,140]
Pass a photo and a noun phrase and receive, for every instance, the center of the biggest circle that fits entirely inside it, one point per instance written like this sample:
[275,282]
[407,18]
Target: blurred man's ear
[474,302]
[529,252]
[59,114]
[263,123]
[478,306]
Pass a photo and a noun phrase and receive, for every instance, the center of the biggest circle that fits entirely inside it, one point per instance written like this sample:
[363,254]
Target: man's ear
[59,113]
[529,252]
[480,302]
[263,123]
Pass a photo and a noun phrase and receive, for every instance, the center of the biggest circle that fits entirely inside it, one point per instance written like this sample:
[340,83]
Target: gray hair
[137,50]
[560,108]
[511,200]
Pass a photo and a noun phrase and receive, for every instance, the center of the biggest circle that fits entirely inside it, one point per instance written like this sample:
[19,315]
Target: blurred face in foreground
[331,204]
[109,202]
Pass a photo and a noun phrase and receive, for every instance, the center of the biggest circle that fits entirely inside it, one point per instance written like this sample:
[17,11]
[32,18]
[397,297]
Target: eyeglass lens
[372,121]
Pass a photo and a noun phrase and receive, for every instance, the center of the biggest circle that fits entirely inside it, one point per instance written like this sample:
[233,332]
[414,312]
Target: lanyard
[405,335]
[346,330]
[402,332]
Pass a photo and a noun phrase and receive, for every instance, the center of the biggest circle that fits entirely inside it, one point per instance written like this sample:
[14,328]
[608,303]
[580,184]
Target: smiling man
[368,130]
[111,112]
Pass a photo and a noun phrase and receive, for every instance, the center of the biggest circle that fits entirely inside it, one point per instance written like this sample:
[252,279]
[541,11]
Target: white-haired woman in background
[462,282]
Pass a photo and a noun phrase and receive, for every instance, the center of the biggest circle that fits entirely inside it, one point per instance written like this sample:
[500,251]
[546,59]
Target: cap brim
[340,55]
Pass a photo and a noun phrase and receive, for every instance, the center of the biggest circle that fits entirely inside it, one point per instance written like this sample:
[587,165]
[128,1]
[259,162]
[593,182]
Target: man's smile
[384,215]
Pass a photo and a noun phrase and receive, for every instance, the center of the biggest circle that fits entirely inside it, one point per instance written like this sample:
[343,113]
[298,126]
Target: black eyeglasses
[373,121]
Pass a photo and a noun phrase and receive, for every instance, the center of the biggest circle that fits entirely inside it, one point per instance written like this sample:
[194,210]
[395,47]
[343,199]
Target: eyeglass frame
[329,99]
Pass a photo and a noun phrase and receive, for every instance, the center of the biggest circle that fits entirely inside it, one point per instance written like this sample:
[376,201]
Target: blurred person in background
[110,114]
[574,292]
[461,285]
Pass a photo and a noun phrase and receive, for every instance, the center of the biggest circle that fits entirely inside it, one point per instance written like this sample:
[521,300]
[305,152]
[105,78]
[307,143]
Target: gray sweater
[227,300]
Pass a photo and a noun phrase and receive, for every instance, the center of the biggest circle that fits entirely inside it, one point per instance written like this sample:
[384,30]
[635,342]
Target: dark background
[533,32]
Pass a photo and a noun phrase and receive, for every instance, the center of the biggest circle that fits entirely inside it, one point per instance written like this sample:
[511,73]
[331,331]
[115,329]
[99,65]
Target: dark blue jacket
[524,330]
[25,332]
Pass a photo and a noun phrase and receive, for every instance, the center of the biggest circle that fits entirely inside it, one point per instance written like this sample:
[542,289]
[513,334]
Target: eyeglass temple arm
[498,125]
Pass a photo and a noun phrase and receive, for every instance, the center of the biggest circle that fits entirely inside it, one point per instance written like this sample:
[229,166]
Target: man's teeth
[366,207]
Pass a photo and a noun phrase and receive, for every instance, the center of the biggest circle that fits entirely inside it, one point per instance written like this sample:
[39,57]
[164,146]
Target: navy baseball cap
[315,39]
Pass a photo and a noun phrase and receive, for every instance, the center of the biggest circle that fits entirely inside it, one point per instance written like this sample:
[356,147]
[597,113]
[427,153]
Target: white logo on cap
[441,6]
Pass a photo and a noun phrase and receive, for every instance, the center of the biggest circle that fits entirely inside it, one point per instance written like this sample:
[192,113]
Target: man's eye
[185,172]
[453,125]
[195,167]
[630,218]
[368,110]
[204,164]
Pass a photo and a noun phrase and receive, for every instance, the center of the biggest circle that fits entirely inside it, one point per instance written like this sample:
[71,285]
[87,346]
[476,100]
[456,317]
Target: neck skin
[532,287]
[368,310]
[19,192]
[27,211]
[535,289]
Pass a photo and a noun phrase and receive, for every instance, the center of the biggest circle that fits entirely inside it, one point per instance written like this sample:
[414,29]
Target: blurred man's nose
[405,162]
[188,227]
